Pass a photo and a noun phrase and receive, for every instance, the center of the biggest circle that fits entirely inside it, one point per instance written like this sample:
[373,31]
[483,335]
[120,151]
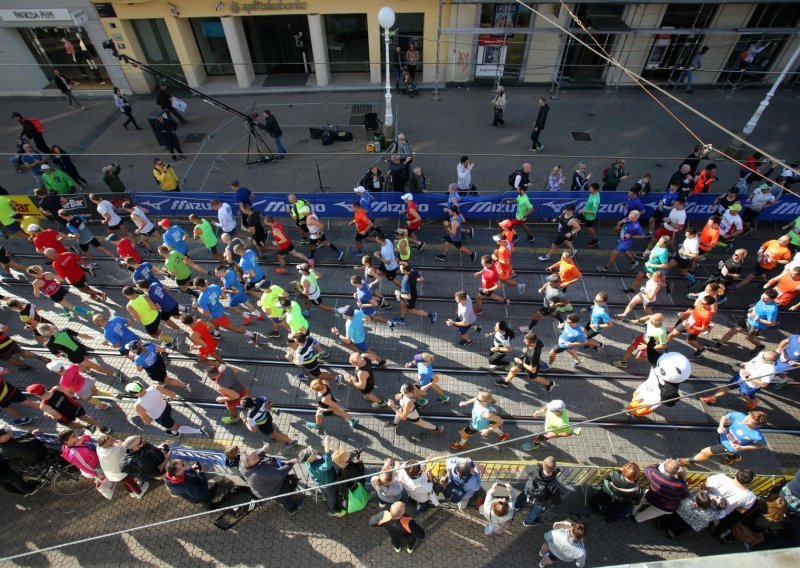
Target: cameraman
[267,476]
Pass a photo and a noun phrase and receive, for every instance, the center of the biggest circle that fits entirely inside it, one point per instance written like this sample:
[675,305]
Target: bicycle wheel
[69,481]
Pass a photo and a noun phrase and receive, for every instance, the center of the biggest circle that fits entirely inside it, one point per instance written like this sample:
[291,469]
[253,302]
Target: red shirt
[201,329]
[126,249]
[413,224]
[362,221]
[48,239]
[489,278]
[287,242]
[68,266]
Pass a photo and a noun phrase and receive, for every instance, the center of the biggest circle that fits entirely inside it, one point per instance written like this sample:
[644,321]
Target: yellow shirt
[167,179]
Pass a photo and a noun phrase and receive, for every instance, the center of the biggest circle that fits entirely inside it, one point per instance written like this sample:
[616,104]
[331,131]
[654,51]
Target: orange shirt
[787,289]
[773,252]
[699,319]
[362,221]
[709,237]
[567,270]
[508,230]
[503,264]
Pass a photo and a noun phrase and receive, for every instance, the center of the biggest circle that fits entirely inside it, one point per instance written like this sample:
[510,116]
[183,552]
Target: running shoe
[577,363]
[728,460]
[205,432]
[574,253]
[397,321]
[340,256]
[464,342]
[521,287]
[281,271]
[421,247]
[380,364]
[502,383]
[530,446]
[353,423]
[506,302]
[254,339]
[301,377]
[421,402]
[471,231]
[105,430]
[304,241]
[699,352]
[274,334]
[313,426]
[473,256]
[635,264]
[577,431]
[593,244]
[530,239]
[440,257]
[355,252]
[290,444]
[709,400]
[385,305]
[524,329]
[551,386]
[505,436]
[443,399]
[544,258]
[230,420]
[324,354]
[457,446]
[435,315]
[621,364]
[601,268]
[381,404]
[247,320]
[752,404]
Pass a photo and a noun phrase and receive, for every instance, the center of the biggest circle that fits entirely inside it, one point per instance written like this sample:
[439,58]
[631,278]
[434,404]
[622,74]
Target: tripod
[322,188]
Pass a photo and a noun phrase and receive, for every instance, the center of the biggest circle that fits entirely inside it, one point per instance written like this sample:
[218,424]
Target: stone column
[180,29]
[240,54]
[319,48]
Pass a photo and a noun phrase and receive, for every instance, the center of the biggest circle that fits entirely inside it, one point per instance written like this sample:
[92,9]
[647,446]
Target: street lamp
[386,21]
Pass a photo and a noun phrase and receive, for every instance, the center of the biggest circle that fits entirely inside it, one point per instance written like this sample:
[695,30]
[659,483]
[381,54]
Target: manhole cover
[581,136]
[194,137]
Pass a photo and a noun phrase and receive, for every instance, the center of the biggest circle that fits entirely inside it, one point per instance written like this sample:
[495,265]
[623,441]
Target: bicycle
[64,478]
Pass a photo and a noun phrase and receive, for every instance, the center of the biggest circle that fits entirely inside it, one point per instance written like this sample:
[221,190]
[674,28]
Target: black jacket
[620,489]
[164,99]
[25,449]
[397,527]
[143,463]
[62,83]
[272,127]
[541,118]
[543,489]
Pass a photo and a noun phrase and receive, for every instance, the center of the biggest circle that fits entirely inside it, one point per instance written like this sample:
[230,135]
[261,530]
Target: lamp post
[386,21]
[735,147]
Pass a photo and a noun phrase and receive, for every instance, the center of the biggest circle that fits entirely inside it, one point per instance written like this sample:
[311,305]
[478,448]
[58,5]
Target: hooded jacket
[192,486]
[620,489]
[543,489]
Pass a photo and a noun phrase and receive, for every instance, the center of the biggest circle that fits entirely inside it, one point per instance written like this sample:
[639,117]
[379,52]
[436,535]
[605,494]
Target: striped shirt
[563,547]
[665,491]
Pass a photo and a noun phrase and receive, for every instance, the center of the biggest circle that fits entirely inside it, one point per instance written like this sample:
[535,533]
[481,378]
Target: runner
[144,227]
[205,233]
[63,408]
[770,254]
[738,432]
[178,269]
[284,245]
[270,303]
[202,340]
[787,285]
[407,298]
[672,225]
[647,295]
[146,312]
[297,214]
[599,319]
[524,209]
[111,220]
[306,352]
[168,307]
[237,294]
[762,315]
[365,301]
[152,406]
[453,236]
[258,418]
[209,304]
[11,351]
[364,227]
[125,249]
[568,271]
[80,231]
[51,286]
[695,322]
[150,359]
[484,420]
[501,259]
[355,336]
[555,300]
[556,425]
[116,332]
[629,231]
[407,408]
[309,288]
[69,266]
[316,235]
[657,261]
[588,214]
[655,331]
[66,343]
[326,406]
[252,273]
[664,206]
[490,283]
[530,363]
[427,377]
[174,238]
[567,227]
[414,220]
[388,259]
[754,375]
[364,377]
[571,338]
[229,389]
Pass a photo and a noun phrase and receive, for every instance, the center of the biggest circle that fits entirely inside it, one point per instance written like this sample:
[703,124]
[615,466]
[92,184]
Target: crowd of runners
[172,298]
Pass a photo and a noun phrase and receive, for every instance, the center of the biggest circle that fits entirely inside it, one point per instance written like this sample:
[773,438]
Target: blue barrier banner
[546,205]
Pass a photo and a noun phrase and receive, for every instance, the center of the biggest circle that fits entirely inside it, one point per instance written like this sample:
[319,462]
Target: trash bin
[153,120]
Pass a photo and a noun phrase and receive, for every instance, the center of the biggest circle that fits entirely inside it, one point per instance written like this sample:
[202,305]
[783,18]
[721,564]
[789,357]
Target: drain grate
[357,114]
[194,137]
[581,136]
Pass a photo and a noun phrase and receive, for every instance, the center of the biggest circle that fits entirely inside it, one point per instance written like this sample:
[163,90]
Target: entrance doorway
[278,44]
[159,51]
[579,64]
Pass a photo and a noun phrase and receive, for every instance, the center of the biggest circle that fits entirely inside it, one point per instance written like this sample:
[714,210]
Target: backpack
[326,139]
[513,177]
[37,124]
[604,177]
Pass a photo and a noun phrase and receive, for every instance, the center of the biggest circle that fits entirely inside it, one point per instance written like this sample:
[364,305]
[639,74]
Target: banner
[24,205]
[79,204]
[546,205]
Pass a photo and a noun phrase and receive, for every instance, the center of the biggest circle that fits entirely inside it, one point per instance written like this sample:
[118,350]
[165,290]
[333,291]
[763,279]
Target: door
[278,44]
[582,65]
[156,43]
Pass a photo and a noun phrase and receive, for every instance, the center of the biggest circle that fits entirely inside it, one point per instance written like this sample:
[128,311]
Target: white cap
[34,227]
[407,196]
[555,405]
[56,366]
[360,189]
[44,167]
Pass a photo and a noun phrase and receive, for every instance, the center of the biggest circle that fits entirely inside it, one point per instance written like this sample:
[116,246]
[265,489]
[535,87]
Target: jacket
[82,456]
[112,180]
[419,489]
[111,462]
[144,463]
[167,179]
[620,489]
[265,478]
[486,510]
[543,489]
[192,486]
[458,488]
[25,449]
[322,470]
[665,491]
[397,528]
[272,127]
[541,118]
[58,182]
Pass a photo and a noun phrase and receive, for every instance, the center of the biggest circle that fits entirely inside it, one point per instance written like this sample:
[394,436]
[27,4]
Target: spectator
[463,482]
[190,483]
[167,127]
[165,176]
[33,162]
[739,499]
[464,174]
[64,162]
[125,108]
[538,125]
[272,128]
[143,460]
[614,174]
[111,178]
[542,488]
[32,129]
[373,179]
[110,452]
[387,486]
[270,477]
[667,488]
[78,451]
[619,492]
[65,86]
[419,485]
[498,105]
[694,512]
[164,100]
[401,527]
[564,542]
[323,472]
[497,510]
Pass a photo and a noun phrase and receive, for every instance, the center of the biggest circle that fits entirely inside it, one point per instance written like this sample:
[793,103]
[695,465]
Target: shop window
[580,64]
[695,16]
[408,29]
[70,51]
[213,46]
[775,16]
[159,51]
[671,52]
[348,42]
[504,52]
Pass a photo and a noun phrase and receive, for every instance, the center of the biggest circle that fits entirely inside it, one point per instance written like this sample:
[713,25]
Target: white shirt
[795,262]
[759,369]
[110,460]
[730,224]
[152,403]
[147,225]
[676,220]
[226,220]
[387,253]
[721,485]
[690,248]
[466,314]
[105,208]
[464,176]
[759,199]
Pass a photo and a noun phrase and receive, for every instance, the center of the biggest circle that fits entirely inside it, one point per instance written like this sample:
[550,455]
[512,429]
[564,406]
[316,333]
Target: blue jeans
[278,145]
[689,78]
[534,515]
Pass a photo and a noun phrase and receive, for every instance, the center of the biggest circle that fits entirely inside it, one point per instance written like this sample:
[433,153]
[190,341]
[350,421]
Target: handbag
[179,104]
[357,498]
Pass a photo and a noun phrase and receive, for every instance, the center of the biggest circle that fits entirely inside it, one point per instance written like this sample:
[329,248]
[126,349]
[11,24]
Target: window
[348,44]
[70,51]
[688,16]
[213,46]
[159,51]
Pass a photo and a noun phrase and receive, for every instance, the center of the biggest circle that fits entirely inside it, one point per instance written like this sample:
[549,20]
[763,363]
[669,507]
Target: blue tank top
[425,373]
[478,421]
[454,218]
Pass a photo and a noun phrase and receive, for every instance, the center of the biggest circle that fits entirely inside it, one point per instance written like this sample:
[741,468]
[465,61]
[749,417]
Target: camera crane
[258,151]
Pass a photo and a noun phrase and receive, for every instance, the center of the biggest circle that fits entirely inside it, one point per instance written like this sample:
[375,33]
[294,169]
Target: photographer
[190,483]
[267,476]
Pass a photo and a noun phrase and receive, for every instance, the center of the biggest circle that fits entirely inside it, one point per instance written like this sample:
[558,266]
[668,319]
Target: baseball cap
[165,223]
[735,207]
[553,278]
[360,189]
[44,167]
[34,227]
[346,311]
[734,190]
[134,387]
[36,389]
[407,197]
[135,345]
[56,366]
[555,405]
[131,441]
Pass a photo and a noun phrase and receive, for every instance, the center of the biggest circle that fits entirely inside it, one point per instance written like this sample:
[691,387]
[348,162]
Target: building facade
[248,44]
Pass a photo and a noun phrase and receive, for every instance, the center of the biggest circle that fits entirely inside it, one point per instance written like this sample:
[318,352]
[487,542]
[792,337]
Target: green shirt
[207,234]
[592,206]
[269,301]
[6,211]
[794,233]
[58,181]
[142,307]
[295,318]
[294,210]
[557,424]
[660,333]
[176,265]
[657,256]
[524,206]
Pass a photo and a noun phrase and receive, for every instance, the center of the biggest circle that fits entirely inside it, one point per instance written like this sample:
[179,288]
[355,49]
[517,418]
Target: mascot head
[672,368]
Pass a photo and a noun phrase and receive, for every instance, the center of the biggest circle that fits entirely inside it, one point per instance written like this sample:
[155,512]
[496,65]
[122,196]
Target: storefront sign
[271,5]
[29,15]
[491,58]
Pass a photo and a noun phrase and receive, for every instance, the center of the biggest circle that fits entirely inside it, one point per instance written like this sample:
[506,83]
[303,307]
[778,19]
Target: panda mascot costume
[668,371]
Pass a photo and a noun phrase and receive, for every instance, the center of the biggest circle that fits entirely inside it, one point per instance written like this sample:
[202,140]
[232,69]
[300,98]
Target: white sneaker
[143,489]
[575,363]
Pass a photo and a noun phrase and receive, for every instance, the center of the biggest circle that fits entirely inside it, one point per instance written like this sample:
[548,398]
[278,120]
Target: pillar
[319,48]
[240,54]
[180,30]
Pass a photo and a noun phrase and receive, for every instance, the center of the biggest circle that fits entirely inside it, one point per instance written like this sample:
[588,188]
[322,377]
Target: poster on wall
[491,58]
[505,17]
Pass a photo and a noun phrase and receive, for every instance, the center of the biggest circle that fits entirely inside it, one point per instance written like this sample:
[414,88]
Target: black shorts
[5,258]
[321,238]
[749,215]
[313,368]
[284,252]
[260,241]
[152,327]
[360,236]
[561,239]
[157,371]
[682,329]
[10,350]
[410,304]
[746,327]
[457,244]
[390,274]
[76,357]
[559,349]
[267,428]
[658,215]
[112,228]
[682,262]
[585,221]
[317,301]
[182,281]
[412,231]
[469,430]
[77,413]
[80,284]
[759,270]
[484,293]
[166,419]
[85,246]
[546,311]
[59,294]
[148,233]
[15,398]
[173,313]
[369,387]
[250,285]
[532,375]
[719,450]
